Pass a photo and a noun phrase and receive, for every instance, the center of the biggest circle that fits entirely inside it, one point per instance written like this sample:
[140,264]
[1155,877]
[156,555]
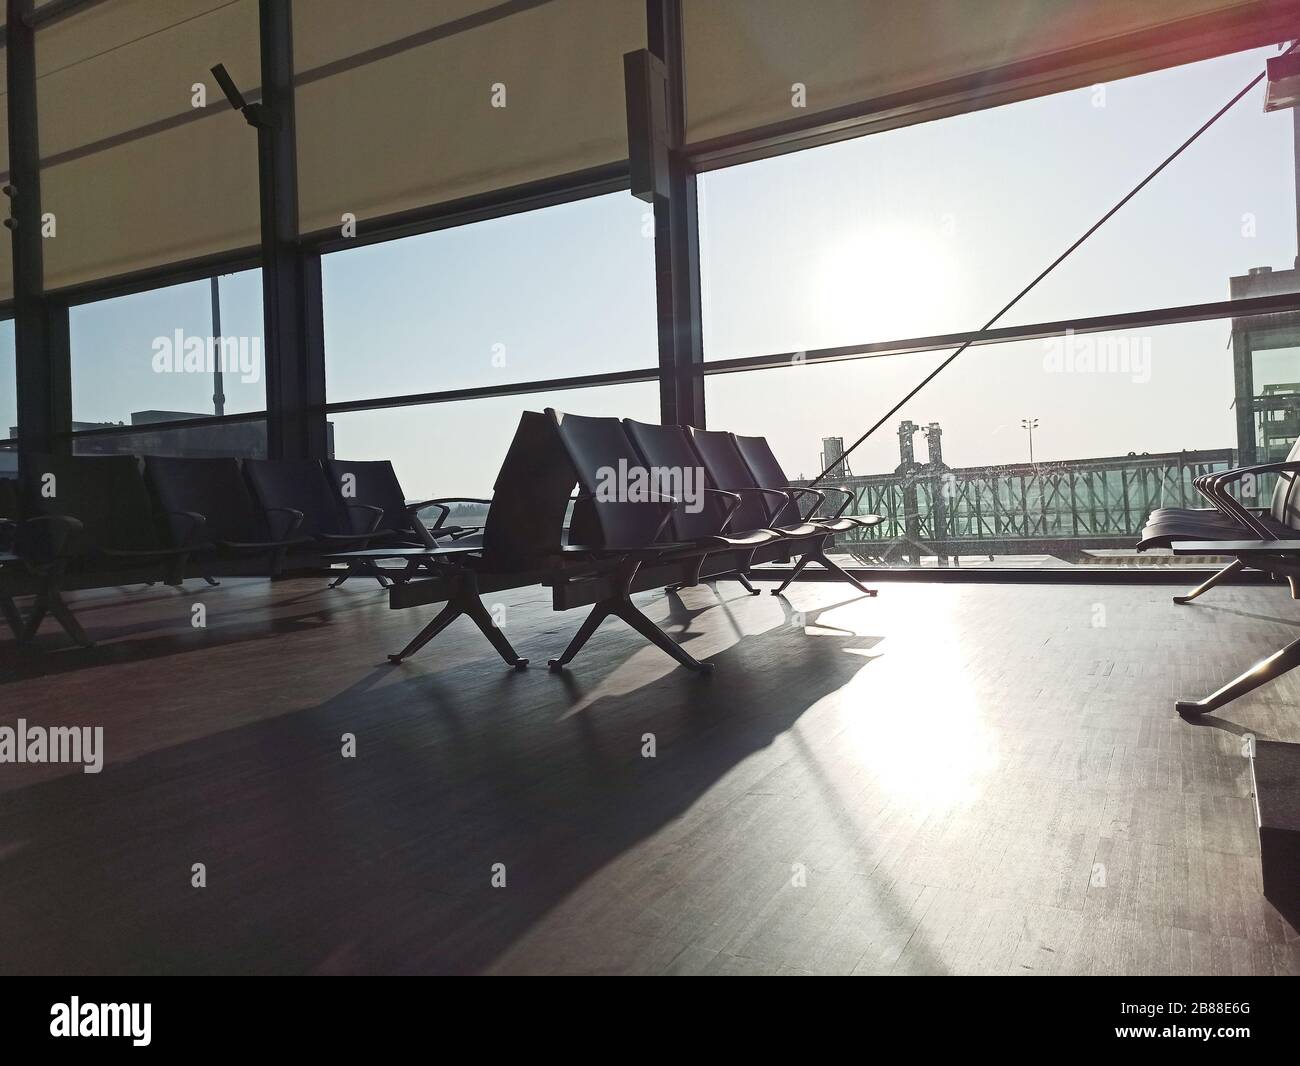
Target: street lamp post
[1030,424]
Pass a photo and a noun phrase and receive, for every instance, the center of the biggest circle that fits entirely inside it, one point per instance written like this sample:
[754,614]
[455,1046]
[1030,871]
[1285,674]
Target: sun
[884,282]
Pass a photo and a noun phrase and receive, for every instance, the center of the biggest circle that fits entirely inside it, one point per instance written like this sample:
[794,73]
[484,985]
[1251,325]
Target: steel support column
[677,244]
[40,328]
[295,370]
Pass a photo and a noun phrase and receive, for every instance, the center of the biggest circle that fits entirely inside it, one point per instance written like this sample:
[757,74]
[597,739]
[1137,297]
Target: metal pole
[218,380]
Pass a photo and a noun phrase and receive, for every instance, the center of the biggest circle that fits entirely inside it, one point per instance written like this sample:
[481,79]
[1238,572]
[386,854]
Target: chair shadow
[53,652]
[383,862]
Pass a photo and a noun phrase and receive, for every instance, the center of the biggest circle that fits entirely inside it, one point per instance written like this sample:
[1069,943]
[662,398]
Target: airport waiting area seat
[91,521]
[374,483]
[770,501]
[86,522]
[76,522]
[1227,519]
[1266,540]
[209,501]
[298,496]
[9,512]
[622,538]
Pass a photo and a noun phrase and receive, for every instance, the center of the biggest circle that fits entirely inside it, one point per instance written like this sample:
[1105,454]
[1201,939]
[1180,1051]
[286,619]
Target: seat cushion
[802,529]
[1161,531]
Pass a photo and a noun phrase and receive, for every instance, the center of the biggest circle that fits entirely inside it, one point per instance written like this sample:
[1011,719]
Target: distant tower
[934,450]
[906,448]
[833,461]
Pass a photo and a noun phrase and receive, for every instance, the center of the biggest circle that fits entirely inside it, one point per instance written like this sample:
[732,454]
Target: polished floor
[948,779]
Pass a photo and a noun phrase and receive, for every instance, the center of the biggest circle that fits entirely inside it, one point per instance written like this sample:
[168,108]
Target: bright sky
[913,232]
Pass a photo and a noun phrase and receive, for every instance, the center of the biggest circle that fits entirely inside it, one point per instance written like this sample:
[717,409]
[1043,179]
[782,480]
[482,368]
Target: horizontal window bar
[159,427]
[498,203]
[1279,303]
[1062,575]
[160,277]
[582,381]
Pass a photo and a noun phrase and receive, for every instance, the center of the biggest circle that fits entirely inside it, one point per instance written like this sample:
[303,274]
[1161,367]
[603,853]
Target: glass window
[929,229]
[8,382]
[443,449]
[243,439]
[1120,424]
[562,291]
[151,356]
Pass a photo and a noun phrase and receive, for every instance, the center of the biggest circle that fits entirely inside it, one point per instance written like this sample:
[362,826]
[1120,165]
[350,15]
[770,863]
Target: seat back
[9,509]
[298,485]
[373,483]
[729,471]
[524,527]
[763,464]
[105,493]
[10,512]
[213,488]
[1285,506]
[667,450]
[614,512]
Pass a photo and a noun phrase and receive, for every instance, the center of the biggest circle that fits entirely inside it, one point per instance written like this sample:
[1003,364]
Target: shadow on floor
[383,863]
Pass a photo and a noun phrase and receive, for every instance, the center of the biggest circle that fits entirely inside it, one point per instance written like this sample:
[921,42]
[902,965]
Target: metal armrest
[376,516]
[413,509]
[784,497]
[193,534]
[45,538]
[1215,489]
[848,499]
[732,498]
[794,491]
[294,521]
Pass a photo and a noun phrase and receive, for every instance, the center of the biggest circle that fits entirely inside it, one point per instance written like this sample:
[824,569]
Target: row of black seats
[626,533]
[89,521]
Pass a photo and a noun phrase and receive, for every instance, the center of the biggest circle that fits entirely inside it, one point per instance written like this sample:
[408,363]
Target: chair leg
[40,608]
[589,625]
[341,578]
[49,600]
[9,611]
[744,582]
[441,621]
[63,614]
[1209,583]
[798,568]
[174,577]
[211,580]
[464,601]
[373,570]
[620,605]
[470,604]
[633,616]
[1274,666]
[820,557]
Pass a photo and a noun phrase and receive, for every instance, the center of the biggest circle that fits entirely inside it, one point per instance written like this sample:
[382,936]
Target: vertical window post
[295,363]
[40,329]
[677,244]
